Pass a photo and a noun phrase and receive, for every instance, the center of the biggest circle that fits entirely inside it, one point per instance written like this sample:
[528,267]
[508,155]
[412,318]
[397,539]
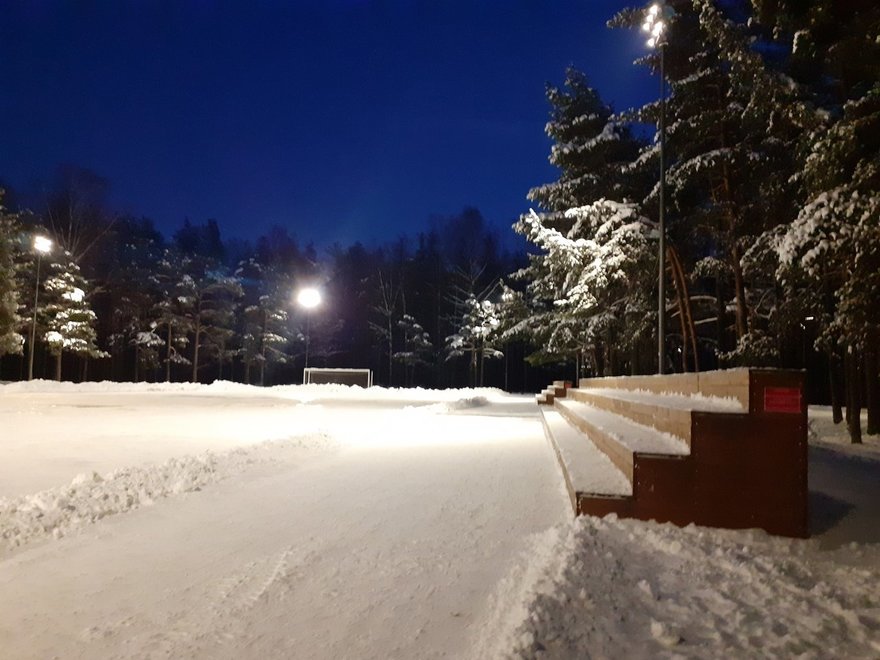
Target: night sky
[341,120]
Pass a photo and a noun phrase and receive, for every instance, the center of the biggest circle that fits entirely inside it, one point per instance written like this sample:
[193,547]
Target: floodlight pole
[661,289]
[308,334]
[41,244]
[308,299]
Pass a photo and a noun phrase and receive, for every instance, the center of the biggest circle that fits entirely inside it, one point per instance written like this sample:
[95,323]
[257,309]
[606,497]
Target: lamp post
[41,245]
[308,299]
[655,24]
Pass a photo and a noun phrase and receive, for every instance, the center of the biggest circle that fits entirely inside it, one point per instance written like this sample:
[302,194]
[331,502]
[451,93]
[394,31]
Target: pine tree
[417,347]
[475,336]
[265,327]
[590,296]
[69,319]
[591,148]
[11,341]
[174,309]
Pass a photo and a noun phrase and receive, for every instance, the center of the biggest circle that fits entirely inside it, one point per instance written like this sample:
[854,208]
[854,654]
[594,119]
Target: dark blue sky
[342,120]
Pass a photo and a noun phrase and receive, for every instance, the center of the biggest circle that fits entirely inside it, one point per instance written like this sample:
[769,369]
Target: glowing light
[651,42]
[308,298]
[654,10]
[42,244]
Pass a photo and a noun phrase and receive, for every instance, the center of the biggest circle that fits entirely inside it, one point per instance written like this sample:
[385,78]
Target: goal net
[314,375]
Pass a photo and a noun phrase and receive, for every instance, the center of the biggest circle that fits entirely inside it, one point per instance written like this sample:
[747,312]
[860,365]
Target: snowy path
[384,547]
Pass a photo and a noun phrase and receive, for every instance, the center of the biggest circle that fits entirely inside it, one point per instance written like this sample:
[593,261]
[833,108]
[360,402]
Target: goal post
[322,376]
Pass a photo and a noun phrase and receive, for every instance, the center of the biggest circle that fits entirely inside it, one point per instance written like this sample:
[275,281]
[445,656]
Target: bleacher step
[633,436]
[588,472]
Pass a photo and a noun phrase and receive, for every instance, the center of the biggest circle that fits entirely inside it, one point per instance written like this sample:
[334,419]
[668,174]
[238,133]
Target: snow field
[334,522]
[384,540]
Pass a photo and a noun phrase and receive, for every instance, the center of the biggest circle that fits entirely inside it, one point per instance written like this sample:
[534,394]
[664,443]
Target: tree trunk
[196,341]
[872,388]
[853,397]
[739,294]
[247,373]
[168,357]
[834,385]
[58,366]
[688,329]
[720,314]
[137,359]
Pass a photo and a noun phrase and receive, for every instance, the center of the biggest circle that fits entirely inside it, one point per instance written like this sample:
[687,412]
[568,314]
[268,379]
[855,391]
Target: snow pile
[625,588]
[466,403]
[677,400]
[90,496]
[304,393]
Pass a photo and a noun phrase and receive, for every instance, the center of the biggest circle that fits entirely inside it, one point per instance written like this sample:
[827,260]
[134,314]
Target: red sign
[782,399]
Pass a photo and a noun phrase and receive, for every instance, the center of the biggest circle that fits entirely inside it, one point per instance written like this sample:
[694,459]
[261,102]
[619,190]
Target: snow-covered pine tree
[11,341]
[265,329]
[214,298]
[476,335]
[732,131]
[68,318]
[596,292]
[134,295]
[386,308]
[590,148]
[174,309]
[417,350]
[835,244]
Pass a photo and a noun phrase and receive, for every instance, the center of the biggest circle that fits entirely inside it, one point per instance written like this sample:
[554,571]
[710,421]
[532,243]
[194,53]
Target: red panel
[782,400]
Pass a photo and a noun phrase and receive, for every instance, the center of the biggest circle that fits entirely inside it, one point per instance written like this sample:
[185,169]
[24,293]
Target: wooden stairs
[722,449]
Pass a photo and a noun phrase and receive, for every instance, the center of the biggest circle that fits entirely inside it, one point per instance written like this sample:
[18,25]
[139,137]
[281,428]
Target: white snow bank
[625,588]
[90,496]
[826,434]
[297,392]
[700,402]
[466,403]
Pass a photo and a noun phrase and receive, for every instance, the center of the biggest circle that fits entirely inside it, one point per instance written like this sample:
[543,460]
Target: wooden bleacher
[722,448]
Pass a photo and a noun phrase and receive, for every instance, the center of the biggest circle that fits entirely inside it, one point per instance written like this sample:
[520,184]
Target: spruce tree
[69,319]
[11,341]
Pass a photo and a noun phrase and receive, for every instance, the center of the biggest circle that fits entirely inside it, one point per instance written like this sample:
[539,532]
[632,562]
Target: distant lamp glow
[42,245]
[308,298]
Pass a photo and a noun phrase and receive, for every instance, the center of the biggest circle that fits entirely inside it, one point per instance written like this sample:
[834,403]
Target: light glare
[308,298]
[42,244]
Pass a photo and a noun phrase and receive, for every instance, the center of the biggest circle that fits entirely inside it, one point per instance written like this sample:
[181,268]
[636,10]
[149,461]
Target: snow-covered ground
[228,521]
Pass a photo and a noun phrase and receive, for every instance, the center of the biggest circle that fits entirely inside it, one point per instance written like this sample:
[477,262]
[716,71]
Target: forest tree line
[117,300]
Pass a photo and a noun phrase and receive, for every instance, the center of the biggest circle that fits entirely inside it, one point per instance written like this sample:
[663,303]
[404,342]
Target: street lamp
[41,245]
[655,24]
[308,299]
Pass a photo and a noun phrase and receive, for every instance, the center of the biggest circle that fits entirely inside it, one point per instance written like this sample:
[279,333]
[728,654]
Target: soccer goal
[314,375]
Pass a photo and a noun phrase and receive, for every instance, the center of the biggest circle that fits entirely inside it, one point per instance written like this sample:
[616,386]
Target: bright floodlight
[655,25]
[308,298]
[42,244]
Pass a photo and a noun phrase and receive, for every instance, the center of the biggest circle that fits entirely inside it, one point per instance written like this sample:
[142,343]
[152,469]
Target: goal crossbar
[321,375]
